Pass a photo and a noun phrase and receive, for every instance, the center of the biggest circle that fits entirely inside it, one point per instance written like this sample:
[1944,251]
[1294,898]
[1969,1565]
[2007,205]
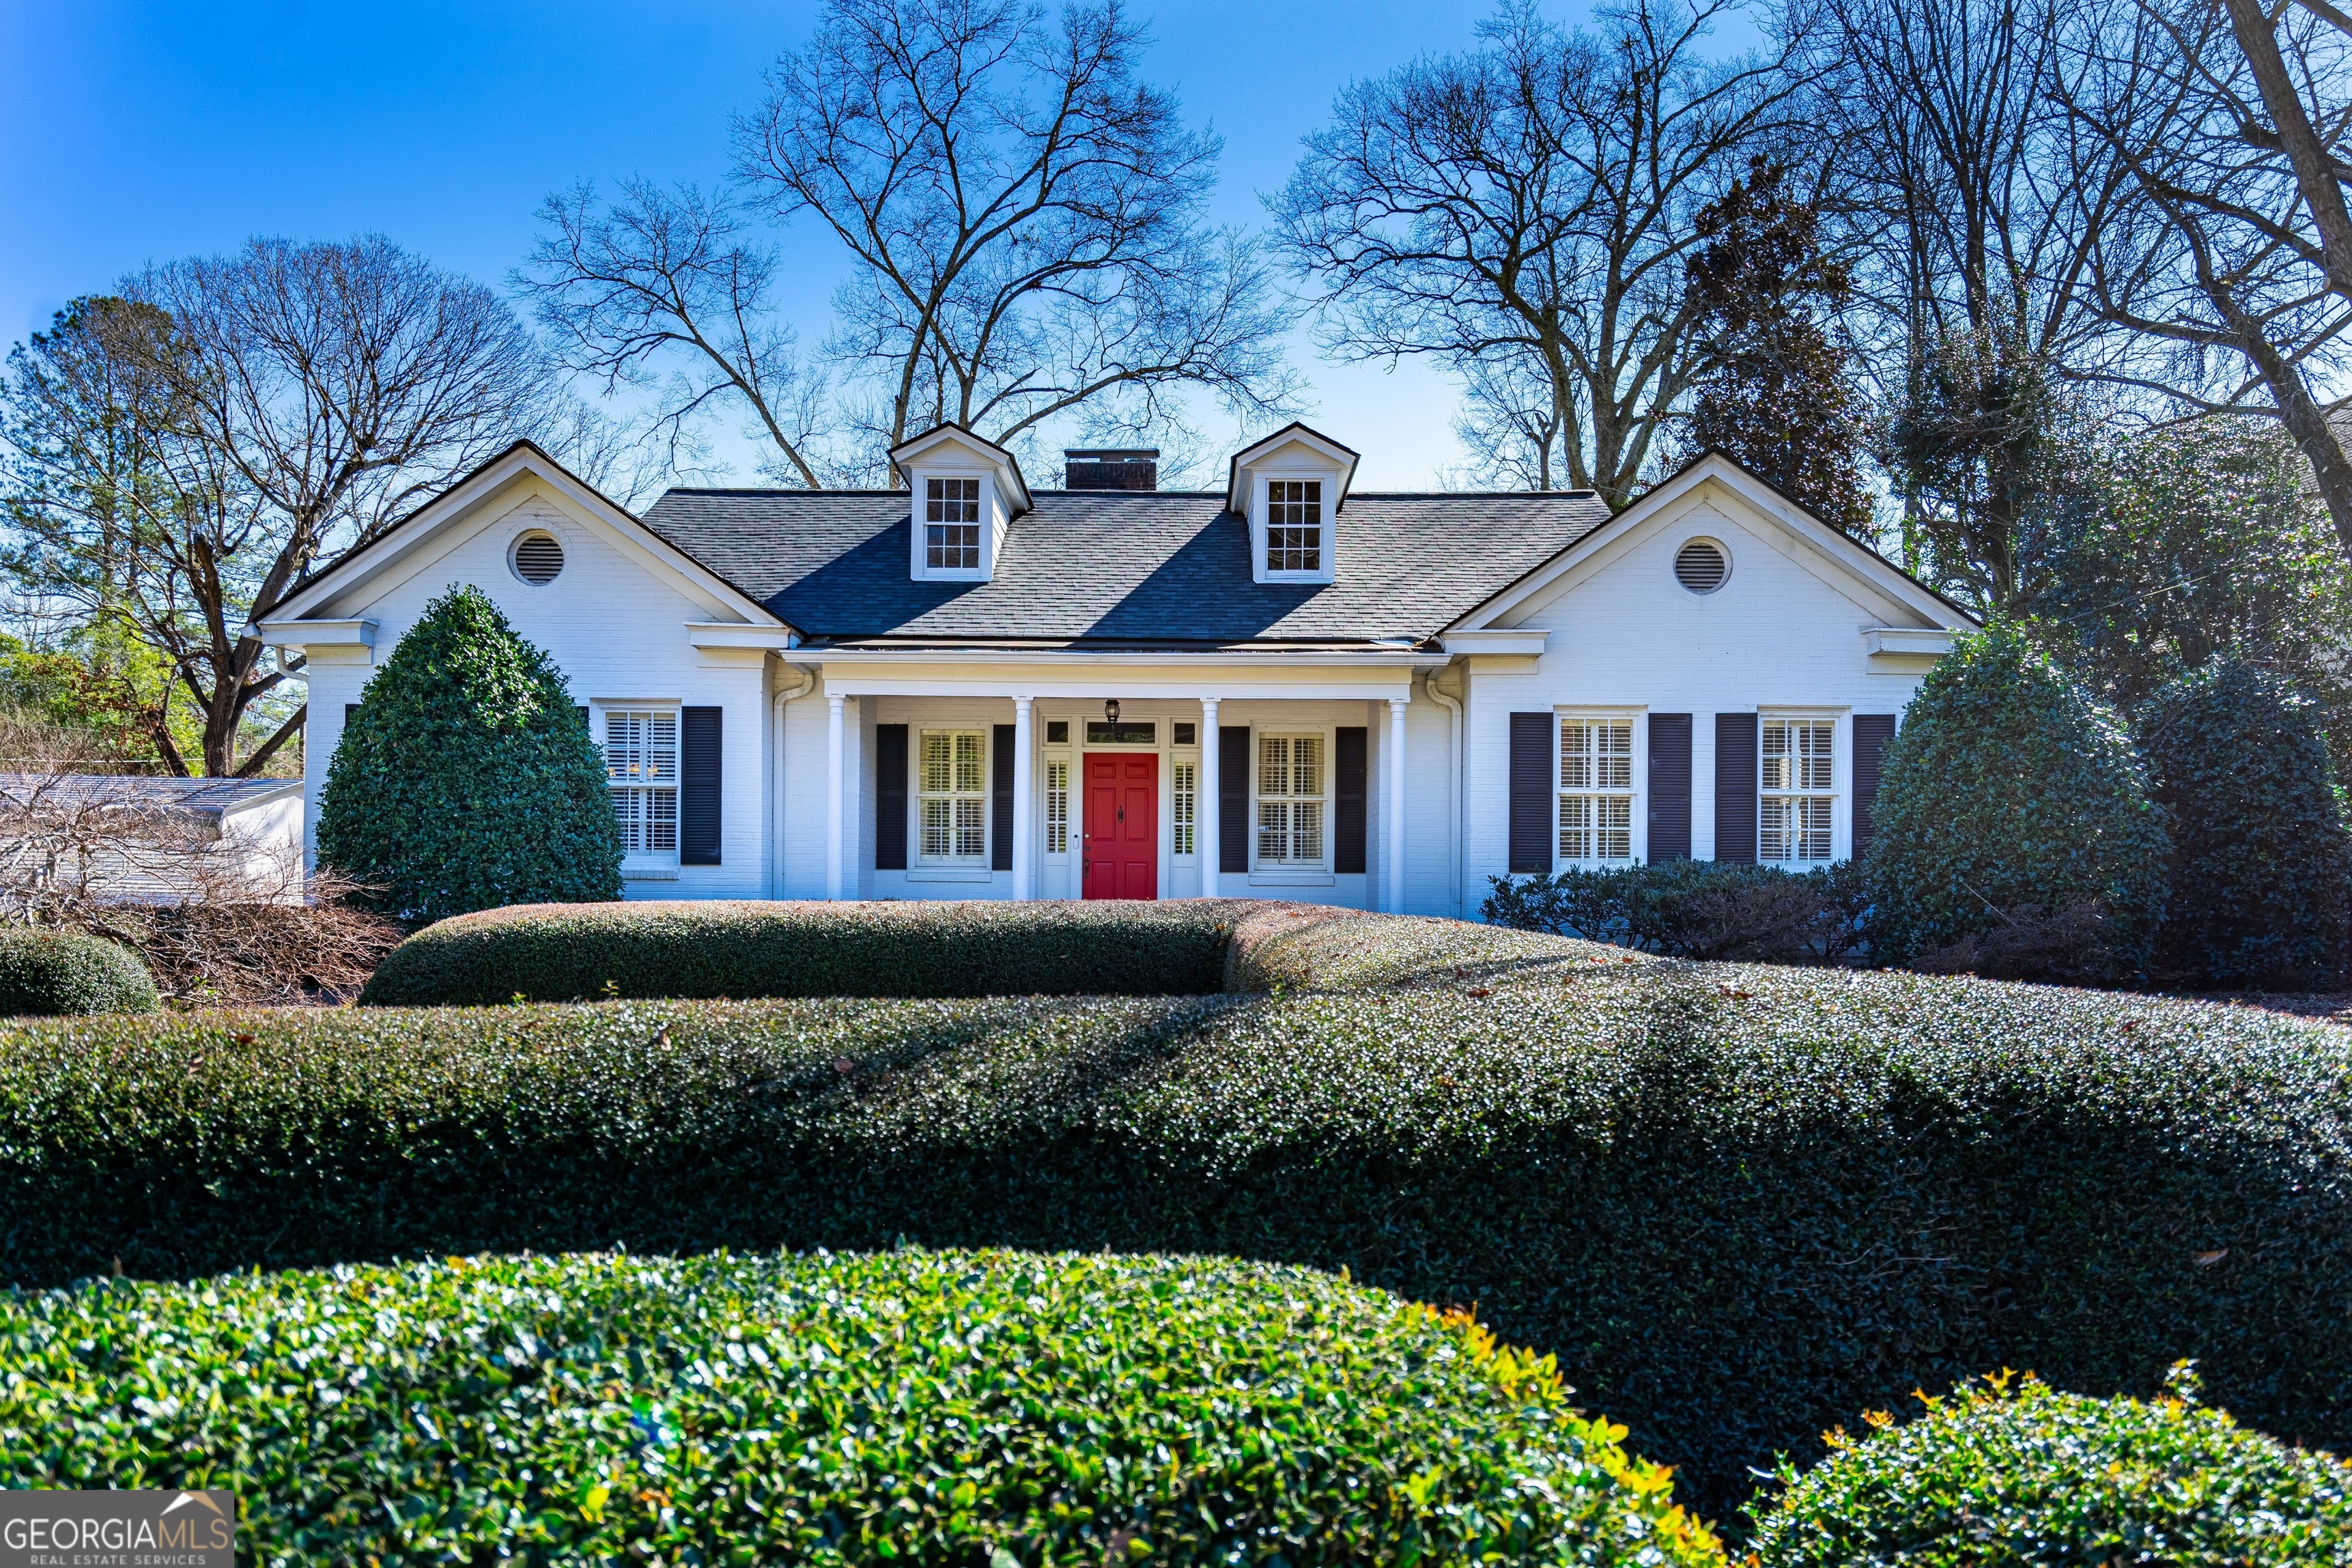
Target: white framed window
[1184,787]
[1797,809]
[641,768]
[952,525]
[1596,789]
[951,796]
[1290,800]
[1294,527]
[1057,806]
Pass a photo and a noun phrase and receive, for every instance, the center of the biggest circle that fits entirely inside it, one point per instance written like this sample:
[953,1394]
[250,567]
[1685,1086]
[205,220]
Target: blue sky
[134,132]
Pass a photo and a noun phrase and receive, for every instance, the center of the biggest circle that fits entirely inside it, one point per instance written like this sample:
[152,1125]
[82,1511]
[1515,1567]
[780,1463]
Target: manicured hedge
[910,1407]
[681,948]
[2013,1474]
[1739,1203]
[54,972]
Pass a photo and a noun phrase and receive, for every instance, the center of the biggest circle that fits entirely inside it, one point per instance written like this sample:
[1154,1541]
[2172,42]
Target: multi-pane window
[1184,783]
[1799,802]
[1058,808]
[1596,789]
[641,767]
[1293,525]
[952,525]
[953,796]
[1290,800]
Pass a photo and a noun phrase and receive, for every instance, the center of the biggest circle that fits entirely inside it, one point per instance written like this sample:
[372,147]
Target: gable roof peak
[1338,454]
[973,448]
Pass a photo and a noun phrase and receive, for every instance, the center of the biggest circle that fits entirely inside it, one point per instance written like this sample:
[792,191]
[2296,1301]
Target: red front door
[1122,846]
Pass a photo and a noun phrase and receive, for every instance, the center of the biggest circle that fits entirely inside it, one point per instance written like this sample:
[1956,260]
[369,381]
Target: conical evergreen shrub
[2262,865]
[2014,815]
[465,780]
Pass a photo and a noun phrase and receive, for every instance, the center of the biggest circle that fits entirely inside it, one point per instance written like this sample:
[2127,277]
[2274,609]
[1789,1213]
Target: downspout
[1454,785]
[782,696]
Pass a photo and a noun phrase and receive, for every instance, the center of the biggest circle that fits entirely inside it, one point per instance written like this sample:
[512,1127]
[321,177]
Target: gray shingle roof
[214,797]
[1144,567]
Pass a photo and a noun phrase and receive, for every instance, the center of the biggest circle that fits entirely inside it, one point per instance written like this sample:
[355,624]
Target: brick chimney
[1094,468]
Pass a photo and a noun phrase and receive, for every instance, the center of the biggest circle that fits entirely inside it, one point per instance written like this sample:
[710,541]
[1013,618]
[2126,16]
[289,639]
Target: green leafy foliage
[1695,908]
[713,948]
[465,780]
[2167,549]
[52,971]
[910,1407]
[2012,1473]
[2261,866]
[1739,1202]
[2010,796]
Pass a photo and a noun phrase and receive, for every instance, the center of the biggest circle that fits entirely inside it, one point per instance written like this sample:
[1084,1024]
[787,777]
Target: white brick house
[965,689]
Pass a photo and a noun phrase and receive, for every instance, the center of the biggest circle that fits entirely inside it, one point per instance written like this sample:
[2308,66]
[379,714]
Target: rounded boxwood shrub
[910,1407]
[48,972]
[696,948]
[2010,800]
[466,779]
[2012,1473]
[2261,866]
[1740,1203]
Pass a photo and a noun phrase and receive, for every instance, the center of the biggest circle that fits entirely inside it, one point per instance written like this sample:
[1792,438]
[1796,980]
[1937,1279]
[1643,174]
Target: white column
[837,820]
[1205,852]
[1023,781]
[1394,903]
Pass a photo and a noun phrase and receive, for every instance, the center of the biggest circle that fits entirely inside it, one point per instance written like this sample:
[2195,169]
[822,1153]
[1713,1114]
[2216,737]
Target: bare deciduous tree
[2234,250]
[1024,221]
[216,918]
[183,453]
[1974,215]
[1534,201]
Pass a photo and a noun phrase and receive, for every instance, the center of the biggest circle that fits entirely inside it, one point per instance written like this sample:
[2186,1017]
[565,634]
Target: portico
[1008,774]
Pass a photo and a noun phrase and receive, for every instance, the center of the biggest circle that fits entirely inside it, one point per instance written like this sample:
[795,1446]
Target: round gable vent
[538,558]
[1701,566]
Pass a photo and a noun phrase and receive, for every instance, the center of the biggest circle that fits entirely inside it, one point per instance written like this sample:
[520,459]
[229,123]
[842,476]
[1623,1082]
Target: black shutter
[1735,789]
[1531,780]
[1350,748]
[583,717]
[1000,800]
[889,797]
[698,786]
[1232,797]
[1670,788]
[349,708]
[1870,733]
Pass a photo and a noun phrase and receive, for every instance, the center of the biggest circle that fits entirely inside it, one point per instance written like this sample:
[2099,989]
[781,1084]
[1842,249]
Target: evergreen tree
[2010,797]
[1775,394]
[465,780]
[2262,865]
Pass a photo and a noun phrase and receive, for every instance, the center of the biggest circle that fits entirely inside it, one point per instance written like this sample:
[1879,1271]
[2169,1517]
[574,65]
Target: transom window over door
[1290,800]
[641,767]
[952,525]
[1596,789]
[1798,804]
[953,796]
[1293,525]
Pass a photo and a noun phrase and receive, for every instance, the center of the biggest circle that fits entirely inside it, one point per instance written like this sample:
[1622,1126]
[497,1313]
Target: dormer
[1290,487]
[964,492]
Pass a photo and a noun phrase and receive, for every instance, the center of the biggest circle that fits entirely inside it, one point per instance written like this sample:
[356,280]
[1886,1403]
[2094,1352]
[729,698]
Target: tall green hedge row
[702,949]
[912,1407]
[1739,1203]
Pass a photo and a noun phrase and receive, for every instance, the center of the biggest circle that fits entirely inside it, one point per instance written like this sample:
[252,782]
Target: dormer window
[1293,526]
[952,525]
